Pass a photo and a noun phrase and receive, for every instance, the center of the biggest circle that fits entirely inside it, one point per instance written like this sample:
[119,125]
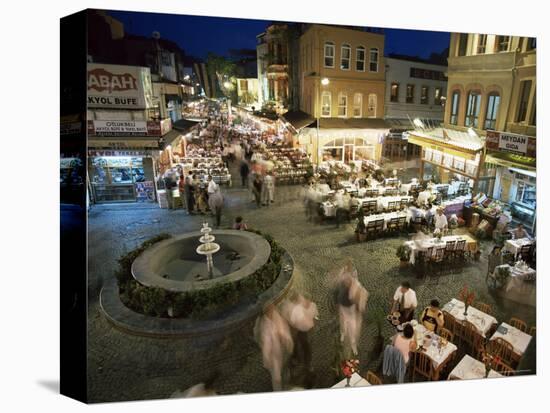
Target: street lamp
[324,82]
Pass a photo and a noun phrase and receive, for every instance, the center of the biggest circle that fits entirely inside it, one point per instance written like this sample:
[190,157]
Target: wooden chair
[533,331]
[403,203]
[422,261]
[379,224]
[422,365]
[503,349]
[519,324]
[446,334]
[373,379]
[438,259]
[460,250]
[450,247]
[371,229]
[500,367]
[452,325]
[484,308]
[471,337]
[371,207]
[392,206]
[393,225]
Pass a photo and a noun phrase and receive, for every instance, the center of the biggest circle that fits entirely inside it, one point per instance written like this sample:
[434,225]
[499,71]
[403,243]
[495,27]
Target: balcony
[482,62]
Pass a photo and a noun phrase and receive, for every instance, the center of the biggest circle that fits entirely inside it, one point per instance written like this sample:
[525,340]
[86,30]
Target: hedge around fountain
[196,304]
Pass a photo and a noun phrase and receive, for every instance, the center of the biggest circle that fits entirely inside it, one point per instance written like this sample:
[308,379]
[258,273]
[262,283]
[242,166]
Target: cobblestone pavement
[127,367]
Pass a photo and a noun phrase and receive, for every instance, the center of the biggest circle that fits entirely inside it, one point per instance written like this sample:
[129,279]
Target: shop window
[329,54]
[410,94]
[437,96]
[345,56]
[526,194]
[472,110]
[360,59]
[333,154]
[455,101]
[326,102]
[525,91]
[481,43]
[394,92]
[502,43]
[493,102]
[342,105]
[373,64]
[424,90]
[357,105]
[531,43]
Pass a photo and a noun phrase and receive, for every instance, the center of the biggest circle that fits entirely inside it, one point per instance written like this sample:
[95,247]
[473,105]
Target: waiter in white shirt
[212,186]
[440,220]
[404,301]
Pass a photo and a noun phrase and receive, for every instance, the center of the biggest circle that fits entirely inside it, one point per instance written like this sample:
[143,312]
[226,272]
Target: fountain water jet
[208,247]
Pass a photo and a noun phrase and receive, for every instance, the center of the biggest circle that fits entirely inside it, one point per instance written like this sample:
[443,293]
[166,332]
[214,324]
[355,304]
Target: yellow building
[342,84]
[491,103]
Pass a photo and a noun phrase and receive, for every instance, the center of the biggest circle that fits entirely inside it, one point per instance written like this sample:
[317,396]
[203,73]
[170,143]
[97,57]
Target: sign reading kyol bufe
[513,143]
[115,86]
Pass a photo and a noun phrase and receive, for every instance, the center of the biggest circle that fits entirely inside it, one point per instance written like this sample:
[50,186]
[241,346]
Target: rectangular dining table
[517,338]
[424,244]
[469,369]
[483,322]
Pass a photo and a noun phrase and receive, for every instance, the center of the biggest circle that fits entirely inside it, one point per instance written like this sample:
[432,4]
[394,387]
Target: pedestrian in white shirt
[212,186]
[404,301]
[440,221]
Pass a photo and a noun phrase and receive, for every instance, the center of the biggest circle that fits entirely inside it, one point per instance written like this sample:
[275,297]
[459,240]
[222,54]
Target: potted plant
[404,254]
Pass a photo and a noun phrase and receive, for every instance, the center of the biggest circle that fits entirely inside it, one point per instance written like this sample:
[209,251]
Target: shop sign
[115,86]
[100,153]
[125,128]
[511,142]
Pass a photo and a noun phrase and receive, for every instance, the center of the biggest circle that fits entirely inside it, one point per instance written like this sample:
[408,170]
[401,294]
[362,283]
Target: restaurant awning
[511,160]
[298,119]
[170,138]
[185,125]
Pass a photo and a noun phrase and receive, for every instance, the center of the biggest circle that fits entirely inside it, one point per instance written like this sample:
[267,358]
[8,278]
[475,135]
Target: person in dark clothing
[245,170]
[169,184]
[189,193]
[257,189]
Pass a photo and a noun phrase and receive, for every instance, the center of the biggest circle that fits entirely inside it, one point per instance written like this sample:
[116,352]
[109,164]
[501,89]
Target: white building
[414,89]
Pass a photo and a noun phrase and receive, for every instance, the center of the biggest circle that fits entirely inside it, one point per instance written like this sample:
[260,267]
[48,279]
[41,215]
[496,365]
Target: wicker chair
[460,250]
[373,379]
[452,325]
[519,324]
[422,365]
[393,225]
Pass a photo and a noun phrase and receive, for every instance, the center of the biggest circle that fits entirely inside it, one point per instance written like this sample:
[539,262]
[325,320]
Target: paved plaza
[124,366]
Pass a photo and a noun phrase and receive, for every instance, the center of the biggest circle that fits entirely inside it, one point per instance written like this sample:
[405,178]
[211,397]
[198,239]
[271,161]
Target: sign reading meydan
[117,86]
[512,142]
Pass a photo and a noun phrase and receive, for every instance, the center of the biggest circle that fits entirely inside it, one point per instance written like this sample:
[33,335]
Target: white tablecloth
[481,320]
[517,338]
[387,216]
[469,368]
[437,355]
[382,201]
[355,381]
[424,244]
[517,276]
[514,245]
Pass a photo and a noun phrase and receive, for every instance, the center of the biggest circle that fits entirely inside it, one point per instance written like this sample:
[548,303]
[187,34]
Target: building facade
[272,52]
[342,83]
[492,90]
[415,89]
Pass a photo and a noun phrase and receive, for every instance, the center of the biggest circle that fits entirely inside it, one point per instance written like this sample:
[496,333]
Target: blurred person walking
[272,334]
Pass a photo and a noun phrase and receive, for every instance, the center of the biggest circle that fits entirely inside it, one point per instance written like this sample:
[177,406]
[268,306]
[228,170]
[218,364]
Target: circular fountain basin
[174,264]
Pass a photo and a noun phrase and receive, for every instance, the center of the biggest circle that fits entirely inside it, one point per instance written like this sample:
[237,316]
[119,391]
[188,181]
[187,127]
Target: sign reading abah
[114,86]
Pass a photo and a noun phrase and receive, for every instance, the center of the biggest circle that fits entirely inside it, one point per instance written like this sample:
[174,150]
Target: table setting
[482,321]
[517,338]
[470,369]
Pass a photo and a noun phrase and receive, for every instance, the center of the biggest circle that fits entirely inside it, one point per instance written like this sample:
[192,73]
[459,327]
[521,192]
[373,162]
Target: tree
[224,71]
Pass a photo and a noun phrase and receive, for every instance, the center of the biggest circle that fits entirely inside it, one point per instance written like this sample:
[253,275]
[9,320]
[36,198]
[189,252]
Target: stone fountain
[208,247]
